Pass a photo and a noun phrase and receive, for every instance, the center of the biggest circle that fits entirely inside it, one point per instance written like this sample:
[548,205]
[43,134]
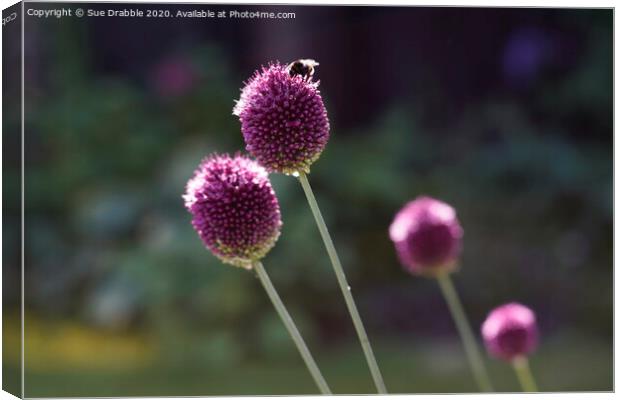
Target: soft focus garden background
[504,113]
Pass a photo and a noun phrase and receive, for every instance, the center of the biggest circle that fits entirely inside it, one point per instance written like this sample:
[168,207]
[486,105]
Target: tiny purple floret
[234,209]
[283,119]
[510,331]
[427,236]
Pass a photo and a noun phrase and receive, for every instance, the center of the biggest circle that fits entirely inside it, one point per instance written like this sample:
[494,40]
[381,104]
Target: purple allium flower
[174,77]
[427,236]
[234,208]
[283,119]
[510,331]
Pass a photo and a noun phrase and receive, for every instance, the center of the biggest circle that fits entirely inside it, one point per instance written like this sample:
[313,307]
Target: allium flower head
[283,119]
[427,236]
[234,208]
[510,331]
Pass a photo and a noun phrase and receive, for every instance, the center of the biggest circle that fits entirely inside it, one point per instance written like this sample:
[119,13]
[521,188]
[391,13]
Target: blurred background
[504,113]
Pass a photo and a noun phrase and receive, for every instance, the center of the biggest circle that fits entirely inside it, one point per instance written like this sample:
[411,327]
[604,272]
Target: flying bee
[303,67]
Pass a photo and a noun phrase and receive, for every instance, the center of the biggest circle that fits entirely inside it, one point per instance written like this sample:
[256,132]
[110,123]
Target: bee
[303,67]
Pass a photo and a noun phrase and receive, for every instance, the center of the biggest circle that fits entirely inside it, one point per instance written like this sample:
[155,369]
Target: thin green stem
[467,335]
[292,329]
[524,374]
[344,285]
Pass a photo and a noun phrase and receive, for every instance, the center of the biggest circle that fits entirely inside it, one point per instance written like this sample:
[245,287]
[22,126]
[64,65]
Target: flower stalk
[344,285]
[524,374]
[465,331]
[291,327]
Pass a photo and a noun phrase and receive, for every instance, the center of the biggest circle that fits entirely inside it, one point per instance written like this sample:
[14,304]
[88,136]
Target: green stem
[467,335]
[344,285]
[292,329]
[526,379]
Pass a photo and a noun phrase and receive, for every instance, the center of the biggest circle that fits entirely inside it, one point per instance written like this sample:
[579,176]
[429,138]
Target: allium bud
[283,119]
[427,236]
[234,209]
[510,331]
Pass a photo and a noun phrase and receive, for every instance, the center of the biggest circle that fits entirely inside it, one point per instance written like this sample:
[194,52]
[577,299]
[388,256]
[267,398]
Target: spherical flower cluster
[234,209]
[427,236]
[283,119]
[510,331]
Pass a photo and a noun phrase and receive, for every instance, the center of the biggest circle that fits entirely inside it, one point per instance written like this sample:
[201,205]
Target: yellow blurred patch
[67,345]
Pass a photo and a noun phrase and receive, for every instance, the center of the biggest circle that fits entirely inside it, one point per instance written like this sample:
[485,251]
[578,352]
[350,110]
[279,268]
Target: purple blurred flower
[283,119]
[174,77]
[427,236]
[234,208]
[510,331]
[526,53]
